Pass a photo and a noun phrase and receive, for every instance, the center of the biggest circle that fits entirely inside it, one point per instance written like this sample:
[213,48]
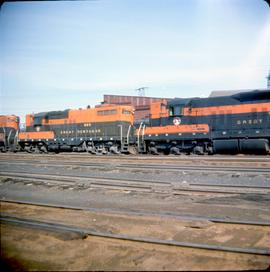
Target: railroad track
[84,232]
[134,166]
[197,168]
[87,156]
[85,182]
[166,215]
[87,161]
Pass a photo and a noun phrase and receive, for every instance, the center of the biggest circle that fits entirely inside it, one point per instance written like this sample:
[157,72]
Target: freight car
[96,130]
[9,127]
[230,124]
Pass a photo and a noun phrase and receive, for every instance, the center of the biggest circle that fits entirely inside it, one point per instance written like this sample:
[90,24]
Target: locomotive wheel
[210,150]
[3,150]
[36,150]
[43,149]
[198,150]
[132,150]
[175,151]
[100,150]
[31,149]
[153,150]
[92,150]
[114,149]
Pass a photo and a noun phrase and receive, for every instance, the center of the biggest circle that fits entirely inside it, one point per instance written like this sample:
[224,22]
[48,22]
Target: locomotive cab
[179,109]
[176,107]
[176,110]
[172,132]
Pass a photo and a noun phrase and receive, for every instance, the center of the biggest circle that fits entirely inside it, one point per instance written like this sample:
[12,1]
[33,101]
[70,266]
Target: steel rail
[59,176]
[215,158]
[195,168]
[159,167]
[127,183]
[186,217]
[88,232]
[179,190]
[133,161]
[229,186]
[54,163]
[116,186]
[175,191]
[91,184]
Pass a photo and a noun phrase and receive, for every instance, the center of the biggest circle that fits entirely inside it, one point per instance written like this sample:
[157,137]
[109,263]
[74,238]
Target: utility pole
[141,91]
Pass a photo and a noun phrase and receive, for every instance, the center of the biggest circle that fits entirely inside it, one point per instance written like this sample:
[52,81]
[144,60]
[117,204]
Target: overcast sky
[58,55]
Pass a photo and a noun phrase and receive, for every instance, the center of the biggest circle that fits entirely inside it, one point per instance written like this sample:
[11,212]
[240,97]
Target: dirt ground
[32,249]
[158,211]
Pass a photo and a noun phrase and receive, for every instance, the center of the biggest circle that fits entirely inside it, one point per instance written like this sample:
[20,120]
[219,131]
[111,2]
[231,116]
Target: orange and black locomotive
[100,129]
[230,124]
[233,124]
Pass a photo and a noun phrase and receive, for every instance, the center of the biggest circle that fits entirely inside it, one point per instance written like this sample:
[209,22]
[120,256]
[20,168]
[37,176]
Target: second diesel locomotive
[230,124]
[233,124]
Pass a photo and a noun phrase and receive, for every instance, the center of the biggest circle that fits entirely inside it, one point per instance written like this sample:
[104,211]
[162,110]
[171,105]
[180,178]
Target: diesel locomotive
[232,124]
[105,128]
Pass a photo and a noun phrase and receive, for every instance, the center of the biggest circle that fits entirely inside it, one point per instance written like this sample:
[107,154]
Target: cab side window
[176,110]
[171,111]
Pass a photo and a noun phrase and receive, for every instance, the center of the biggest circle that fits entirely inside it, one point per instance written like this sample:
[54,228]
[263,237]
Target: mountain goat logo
[176,121]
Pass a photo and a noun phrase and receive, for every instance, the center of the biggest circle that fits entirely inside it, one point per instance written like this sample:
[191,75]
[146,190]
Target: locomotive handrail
[128,132]
[138,136]
[4,130]
[121,135]
[8,139]
[16,138]
[143,132]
